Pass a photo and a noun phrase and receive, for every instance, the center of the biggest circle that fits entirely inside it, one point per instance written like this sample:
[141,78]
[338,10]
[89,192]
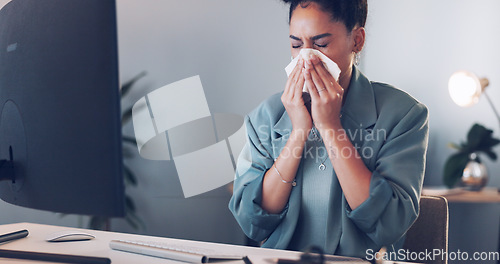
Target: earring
[356,58]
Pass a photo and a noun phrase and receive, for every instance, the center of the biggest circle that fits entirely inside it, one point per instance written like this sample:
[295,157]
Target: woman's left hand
[326,95]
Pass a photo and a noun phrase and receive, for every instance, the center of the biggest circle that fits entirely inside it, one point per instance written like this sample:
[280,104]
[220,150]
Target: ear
[358,39]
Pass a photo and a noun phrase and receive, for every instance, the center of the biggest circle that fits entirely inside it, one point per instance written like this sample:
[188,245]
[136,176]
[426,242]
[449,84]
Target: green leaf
[475,135]
[126,87]
[126,116]
[488,142]
[129,176]
[129,203]
[127,152]
[61,215]
[98,223]
[454,146]
[454,167]
[132,217]
[492,155]
[130,140]
[132,223]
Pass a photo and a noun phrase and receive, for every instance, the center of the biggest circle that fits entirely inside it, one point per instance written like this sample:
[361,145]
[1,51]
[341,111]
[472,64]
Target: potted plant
[465,167]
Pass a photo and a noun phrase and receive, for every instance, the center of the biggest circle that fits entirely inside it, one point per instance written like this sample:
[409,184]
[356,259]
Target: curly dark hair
[351,13]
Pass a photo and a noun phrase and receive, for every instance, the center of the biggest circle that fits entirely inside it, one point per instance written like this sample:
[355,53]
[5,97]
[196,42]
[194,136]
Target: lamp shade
[465,88]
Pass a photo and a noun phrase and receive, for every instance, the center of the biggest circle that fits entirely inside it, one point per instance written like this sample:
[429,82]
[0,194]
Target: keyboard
[171,251]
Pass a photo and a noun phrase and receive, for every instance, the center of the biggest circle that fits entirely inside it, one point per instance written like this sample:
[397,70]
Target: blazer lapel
[359,110]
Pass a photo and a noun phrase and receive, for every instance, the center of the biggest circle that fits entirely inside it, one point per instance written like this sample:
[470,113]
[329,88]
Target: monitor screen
[60,123]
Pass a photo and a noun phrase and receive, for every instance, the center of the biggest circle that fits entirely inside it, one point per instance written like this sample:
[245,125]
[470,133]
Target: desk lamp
[465,89]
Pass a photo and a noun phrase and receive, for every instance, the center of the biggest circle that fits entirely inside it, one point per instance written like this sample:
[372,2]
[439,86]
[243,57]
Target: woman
[343,172]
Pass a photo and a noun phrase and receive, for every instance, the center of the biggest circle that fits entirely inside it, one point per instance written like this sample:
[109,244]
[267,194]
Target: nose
[308,45]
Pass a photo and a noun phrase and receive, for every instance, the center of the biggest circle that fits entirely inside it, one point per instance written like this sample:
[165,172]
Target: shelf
[457,195]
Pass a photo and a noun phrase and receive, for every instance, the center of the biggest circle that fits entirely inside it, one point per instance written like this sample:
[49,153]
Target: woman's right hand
[294,103]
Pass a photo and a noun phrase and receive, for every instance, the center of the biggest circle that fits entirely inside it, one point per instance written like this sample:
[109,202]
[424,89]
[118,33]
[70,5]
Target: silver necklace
[322,166]
[315,132]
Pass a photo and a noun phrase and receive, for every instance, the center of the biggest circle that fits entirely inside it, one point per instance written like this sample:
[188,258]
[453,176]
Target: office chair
[430,230]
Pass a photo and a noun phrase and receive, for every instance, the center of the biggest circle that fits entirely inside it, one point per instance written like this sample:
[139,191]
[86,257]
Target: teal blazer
[390,130]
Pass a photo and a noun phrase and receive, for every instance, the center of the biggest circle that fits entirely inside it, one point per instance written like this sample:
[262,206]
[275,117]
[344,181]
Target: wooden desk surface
[99,247]
[486,195]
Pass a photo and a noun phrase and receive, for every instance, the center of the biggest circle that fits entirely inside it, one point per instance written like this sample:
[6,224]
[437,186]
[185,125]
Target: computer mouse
[68,235]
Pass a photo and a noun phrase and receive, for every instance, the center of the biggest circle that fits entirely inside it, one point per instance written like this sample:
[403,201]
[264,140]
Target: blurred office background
[240,48]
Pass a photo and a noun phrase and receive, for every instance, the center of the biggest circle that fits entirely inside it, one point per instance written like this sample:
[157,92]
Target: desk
[99,247]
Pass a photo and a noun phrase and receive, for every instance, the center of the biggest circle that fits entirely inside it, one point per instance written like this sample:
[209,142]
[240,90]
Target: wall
[416,46]
[239,49]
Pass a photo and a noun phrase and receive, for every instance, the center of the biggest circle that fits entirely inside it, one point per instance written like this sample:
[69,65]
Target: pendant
[322,167]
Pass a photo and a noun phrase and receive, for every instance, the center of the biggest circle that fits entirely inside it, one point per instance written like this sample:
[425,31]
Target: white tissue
[330,65]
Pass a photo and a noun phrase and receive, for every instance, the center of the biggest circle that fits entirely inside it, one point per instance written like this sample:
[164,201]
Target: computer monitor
[60,123]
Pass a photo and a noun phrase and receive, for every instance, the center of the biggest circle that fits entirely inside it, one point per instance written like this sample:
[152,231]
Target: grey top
[316,183]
